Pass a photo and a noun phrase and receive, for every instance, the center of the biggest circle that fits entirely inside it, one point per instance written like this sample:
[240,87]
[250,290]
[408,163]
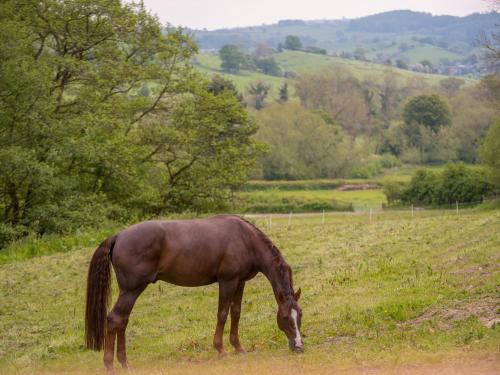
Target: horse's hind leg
[117,324]
[234,338]
[227,290]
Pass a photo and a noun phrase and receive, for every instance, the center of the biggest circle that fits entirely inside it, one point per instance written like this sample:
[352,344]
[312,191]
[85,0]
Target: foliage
[359,53]
[316,50]
[293,42]
[459,184]
[451,85]
[83,142]
[277,202]
[428,110]
[258,92]
[231,58]
[303,144]
[284,93]
[268,66]
[456,183]
[337,93]
[490,153]
[472,115]
[394,190]
[401,64]
[220,84]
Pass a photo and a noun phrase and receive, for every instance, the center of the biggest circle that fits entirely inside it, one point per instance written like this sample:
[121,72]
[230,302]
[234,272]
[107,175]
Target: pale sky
[214,14]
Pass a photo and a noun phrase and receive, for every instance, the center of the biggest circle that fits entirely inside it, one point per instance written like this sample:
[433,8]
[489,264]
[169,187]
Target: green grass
[391,290]
[286,201]
[210,64]
[430,53]
[318,184]
[307,62]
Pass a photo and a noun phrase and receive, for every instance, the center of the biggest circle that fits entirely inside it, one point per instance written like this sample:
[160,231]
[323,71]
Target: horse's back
[185,252]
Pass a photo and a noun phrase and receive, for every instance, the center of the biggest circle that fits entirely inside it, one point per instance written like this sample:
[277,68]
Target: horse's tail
[98,295]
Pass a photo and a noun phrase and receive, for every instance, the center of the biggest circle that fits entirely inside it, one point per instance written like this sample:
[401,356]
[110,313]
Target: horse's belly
[187,271]
[186,280]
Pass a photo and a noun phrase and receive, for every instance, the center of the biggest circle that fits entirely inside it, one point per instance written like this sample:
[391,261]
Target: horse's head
[289,319]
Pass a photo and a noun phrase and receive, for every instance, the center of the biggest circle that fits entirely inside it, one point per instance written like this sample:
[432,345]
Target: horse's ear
[297,294]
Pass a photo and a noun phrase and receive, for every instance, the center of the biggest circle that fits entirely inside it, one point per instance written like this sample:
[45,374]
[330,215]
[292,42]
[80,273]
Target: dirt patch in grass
[354,187]
[486,310]
[463,366]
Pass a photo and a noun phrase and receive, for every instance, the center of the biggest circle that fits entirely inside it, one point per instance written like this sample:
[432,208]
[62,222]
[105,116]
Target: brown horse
[224,249]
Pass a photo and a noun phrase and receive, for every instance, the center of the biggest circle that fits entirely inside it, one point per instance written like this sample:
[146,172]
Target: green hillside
[299,62]
[210,64]
[397,35]
[430,53]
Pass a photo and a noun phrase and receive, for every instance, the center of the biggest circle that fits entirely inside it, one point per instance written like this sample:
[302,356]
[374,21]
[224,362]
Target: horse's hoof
[126,366]
[222,354]
[241,351]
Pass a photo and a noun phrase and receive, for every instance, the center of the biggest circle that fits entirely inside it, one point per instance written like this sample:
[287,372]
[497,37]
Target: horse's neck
[271,269]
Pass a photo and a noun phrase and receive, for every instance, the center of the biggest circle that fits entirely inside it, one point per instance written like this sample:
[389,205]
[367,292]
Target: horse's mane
[284,269]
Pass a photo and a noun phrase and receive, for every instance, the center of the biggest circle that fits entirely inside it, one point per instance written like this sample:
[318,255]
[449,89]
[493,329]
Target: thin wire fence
[412,210]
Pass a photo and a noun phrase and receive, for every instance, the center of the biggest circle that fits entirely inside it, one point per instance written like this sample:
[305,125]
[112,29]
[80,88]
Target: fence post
[323,219]
[412,210]
[290,221]
[456,203]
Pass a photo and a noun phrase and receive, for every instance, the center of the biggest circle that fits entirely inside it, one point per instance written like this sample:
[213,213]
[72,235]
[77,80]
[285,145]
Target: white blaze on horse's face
[298,338]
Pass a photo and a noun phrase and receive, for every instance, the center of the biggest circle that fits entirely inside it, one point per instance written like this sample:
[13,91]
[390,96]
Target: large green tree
[80,137]
[425,113]
[231,58]
[293,42]
[303,145]
[258,93]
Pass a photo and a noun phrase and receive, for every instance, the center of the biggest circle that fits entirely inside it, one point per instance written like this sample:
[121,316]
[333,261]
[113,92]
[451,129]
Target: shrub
[422,188]
[389,161]
[394,191]
[457,183]
[10,233]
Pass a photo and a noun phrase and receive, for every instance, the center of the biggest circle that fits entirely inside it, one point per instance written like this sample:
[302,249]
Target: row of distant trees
[373,124]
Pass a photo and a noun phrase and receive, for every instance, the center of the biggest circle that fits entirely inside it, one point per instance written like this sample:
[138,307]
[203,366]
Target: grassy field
[302,62]
[210,64]
[431,53]
[379,296]
[321,194]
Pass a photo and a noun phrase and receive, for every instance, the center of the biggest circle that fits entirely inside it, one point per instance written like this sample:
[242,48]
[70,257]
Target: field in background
[390,291]
[309,62]
[282,196]
[301,62]
[296,201]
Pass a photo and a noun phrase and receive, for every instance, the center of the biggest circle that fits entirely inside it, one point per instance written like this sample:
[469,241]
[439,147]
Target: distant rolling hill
[300,62]
[405,35]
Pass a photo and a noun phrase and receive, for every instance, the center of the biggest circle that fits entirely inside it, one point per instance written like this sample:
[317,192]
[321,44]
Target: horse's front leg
[227,290]
[234,338]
